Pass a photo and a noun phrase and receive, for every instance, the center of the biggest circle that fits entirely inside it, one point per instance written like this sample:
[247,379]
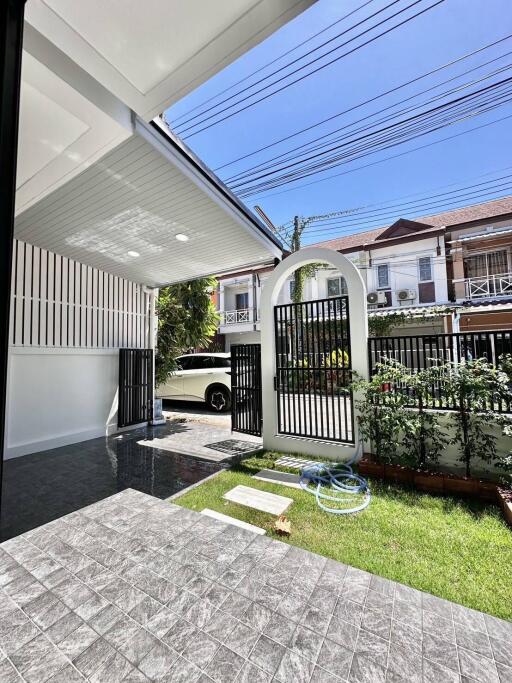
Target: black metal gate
[135,386]
[246,410]
[313,369]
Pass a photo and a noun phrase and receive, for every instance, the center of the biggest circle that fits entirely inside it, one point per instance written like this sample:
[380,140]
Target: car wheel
[219,399]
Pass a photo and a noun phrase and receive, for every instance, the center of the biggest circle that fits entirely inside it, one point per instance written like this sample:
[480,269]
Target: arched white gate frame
[358,343]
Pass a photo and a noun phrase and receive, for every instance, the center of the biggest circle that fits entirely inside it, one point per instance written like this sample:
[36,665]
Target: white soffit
[122,215]
[60,133]
[151,53]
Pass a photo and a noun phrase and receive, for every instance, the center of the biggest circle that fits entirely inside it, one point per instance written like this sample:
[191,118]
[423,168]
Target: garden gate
[308,351]
[246,410]
[313,369]
[135,386]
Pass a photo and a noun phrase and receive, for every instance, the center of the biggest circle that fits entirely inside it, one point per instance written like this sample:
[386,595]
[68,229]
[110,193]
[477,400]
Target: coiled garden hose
[344,486]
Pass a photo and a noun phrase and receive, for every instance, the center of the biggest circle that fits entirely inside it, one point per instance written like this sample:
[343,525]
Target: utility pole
[301,273]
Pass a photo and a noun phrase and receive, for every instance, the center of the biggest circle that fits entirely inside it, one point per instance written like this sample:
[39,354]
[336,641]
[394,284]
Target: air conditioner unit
[405,294]
[376,298]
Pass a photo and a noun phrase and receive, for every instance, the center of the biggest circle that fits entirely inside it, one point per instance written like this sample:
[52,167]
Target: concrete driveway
[195,412]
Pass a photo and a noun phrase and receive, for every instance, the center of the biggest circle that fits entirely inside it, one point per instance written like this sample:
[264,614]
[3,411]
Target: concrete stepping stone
[294,463]
[232,520]
[276,477]
[259,500]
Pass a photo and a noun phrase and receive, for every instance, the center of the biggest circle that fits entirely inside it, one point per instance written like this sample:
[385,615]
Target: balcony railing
[244,315]
[487,286]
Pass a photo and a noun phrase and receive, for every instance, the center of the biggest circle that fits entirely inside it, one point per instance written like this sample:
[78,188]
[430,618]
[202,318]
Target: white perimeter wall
[59,396]
[68,322]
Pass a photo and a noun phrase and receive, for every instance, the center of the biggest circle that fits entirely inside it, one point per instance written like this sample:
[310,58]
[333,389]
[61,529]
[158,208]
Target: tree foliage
[472,387]
[187,319]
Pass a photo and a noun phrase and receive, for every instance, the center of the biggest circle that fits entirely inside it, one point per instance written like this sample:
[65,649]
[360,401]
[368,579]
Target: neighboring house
[447,271]
[479,241]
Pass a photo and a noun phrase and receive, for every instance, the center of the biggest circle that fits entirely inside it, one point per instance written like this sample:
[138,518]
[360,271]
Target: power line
[286,66]
[370,100]
[273,62]
[323,66]
[287,156]
[401,206]
[359,148]
[375,206]
[388,158]
[446,204]
[396,133]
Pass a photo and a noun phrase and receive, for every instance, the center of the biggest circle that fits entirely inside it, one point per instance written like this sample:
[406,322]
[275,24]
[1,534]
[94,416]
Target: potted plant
[422,438]
[380,418]
[338,369]
[471,387]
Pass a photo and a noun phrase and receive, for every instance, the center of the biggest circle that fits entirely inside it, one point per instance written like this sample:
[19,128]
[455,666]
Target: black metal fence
[246,409]
[313,369]
[135,386]
[418,352]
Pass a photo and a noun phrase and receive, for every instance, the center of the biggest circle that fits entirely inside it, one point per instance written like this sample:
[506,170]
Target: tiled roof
[466,214]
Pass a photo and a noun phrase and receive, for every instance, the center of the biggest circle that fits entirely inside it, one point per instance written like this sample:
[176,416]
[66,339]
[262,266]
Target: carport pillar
[358,324]
[11,47]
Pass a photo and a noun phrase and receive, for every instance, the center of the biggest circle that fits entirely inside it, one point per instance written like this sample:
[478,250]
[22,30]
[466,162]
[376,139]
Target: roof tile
[454,217]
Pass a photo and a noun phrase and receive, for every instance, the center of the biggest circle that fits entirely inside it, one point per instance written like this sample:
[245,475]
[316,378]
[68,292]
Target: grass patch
[456,549]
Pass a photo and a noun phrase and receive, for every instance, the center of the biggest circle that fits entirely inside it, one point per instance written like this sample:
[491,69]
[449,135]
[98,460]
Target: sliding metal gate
[313,369]
[135,386]
[246,411]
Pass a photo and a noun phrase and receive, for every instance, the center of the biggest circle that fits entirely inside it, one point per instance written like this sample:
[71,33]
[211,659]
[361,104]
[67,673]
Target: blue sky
[445,33]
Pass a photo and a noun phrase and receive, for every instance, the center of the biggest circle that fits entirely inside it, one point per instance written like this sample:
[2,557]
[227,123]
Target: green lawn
[456,549]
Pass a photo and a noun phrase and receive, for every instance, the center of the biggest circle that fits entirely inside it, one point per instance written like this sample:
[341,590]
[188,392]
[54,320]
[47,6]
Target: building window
[425,268]
[242,301]
[383,276]
[484,265]
[336,286]
[292,288]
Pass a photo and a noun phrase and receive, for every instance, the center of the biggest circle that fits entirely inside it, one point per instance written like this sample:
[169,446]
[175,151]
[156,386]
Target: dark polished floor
[41,487]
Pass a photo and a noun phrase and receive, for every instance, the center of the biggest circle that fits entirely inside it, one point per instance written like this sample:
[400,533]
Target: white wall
[449,460]
[68,322]
[59,396]
[404,270]
[249,337]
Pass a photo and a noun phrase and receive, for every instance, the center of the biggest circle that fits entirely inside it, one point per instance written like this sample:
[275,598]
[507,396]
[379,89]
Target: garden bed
[458,549]
[432,482]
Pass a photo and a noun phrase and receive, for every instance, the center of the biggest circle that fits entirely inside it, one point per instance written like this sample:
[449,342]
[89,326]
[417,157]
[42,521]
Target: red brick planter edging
[437,482]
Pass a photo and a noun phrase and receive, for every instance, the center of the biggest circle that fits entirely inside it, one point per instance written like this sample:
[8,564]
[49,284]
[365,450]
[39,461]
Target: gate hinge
[275,383]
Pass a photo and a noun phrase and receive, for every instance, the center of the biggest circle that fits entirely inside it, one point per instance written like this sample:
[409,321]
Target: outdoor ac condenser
[405,294]
[376,298]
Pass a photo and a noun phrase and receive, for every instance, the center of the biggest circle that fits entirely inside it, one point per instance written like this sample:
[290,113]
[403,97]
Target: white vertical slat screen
[58,302]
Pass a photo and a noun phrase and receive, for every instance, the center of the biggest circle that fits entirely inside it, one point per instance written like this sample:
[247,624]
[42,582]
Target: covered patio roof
[148,211]
[97,181]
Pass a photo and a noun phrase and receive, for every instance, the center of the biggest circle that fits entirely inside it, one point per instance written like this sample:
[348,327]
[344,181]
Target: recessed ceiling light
[133,253]
[181,237]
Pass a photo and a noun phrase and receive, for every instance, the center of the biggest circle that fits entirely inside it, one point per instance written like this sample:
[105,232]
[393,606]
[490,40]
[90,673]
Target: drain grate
[233,446]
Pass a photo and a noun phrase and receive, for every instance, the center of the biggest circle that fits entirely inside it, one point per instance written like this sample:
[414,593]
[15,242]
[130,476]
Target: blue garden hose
[343,483]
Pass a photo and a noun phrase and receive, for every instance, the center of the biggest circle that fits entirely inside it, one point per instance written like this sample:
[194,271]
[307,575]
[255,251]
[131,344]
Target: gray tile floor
[134,589]
[44,486]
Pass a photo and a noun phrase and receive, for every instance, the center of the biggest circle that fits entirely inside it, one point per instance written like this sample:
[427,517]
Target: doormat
[234,446]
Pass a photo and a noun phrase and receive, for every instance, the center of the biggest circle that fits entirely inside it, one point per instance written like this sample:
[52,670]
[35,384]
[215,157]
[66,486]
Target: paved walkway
[194,439]
[135,589]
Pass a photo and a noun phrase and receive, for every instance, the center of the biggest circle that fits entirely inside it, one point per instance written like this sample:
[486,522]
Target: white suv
[200,377]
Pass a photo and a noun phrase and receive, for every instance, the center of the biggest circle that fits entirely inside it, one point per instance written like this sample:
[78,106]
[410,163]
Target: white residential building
[403,266]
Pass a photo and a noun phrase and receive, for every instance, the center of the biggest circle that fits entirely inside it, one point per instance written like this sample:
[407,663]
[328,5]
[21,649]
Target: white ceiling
[150,53]
[60,132]
[136,199]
